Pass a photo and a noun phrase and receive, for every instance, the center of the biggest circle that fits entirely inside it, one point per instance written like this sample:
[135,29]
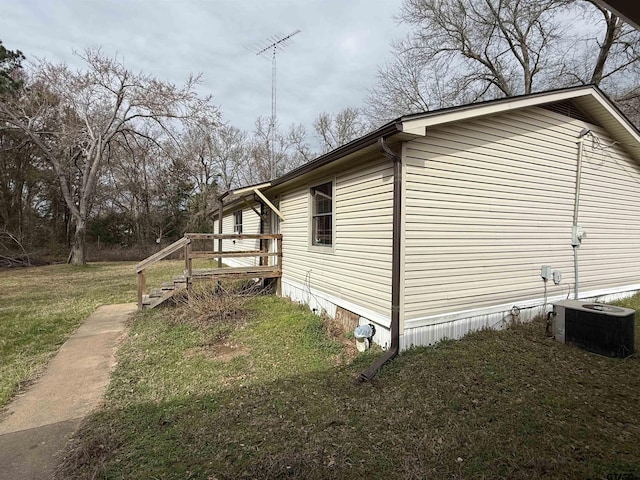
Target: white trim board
[505,307]
[340,302]
[453,316]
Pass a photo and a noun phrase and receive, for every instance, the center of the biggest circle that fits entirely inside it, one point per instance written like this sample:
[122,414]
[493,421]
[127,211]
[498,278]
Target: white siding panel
[610,214]
[250,225]
[358,270]
[490,201]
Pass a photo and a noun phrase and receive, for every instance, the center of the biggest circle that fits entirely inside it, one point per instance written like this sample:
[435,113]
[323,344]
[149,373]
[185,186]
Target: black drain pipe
[390,354]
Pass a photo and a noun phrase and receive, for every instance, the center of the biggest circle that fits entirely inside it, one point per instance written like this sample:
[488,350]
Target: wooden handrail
[246,253]
[165,252]
[232,236]
[268,271]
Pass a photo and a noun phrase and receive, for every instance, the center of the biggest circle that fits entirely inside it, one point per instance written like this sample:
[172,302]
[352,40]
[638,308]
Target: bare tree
[339,129]
[272,154]
[76,117]
[127,192]
[462,51]
[228,150]
[605,51]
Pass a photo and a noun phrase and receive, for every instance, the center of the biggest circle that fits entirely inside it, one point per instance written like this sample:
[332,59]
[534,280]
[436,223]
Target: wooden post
[189,264]
[279,260]
[279,244]
[142,287]
[220,231]
[264,244]
[220,214]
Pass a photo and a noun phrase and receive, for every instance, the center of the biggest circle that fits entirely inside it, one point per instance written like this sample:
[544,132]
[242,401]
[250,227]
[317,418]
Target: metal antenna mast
[277,42]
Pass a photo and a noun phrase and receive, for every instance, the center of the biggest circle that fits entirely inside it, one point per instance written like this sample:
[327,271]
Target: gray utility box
[596,327]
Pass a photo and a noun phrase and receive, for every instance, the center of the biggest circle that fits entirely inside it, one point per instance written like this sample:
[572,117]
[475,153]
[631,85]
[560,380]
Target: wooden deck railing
[270,264]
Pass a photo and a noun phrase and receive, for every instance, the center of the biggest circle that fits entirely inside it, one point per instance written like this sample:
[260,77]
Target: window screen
[237,221]
[322,215]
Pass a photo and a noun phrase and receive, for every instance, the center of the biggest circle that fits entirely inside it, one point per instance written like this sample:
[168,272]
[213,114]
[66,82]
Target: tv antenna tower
[276,43]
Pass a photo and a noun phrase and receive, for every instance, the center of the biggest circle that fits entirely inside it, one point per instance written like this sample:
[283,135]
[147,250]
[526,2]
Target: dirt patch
[224,352]
[338,331]
[348,319]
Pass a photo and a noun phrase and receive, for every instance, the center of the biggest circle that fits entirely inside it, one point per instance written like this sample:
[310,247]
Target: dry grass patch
[210,302]
[497,405]
[339,333]
[224,352]
[40,307]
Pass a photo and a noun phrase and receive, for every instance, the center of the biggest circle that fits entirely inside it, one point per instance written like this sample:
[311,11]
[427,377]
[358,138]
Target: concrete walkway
[38,424]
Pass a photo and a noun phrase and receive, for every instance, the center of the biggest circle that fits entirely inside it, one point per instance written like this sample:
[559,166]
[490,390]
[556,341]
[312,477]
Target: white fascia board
[624,123]
[418,130]
[250,189]
[626,133]
[421,124]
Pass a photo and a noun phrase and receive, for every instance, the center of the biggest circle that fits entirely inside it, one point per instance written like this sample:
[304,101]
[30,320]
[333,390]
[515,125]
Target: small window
[237,221]
[322,215]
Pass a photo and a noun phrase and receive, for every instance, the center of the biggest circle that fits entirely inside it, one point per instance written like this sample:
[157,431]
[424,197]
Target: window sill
[321,248]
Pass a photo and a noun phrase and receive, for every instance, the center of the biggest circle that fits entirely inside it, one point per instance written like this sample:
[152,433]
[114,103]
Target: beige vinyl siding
[610,215]
[358,269]
[250,225]
[488,202]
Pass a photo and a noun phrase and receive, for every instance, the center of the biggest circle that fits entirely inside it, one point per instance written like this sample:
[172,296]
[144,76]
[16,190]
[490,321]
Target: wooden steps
[167,290]
[270,253]
[157,296]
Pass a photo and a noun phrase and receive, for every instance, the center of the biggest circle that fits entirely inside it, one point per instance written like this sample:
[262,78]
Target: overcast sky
[327,67]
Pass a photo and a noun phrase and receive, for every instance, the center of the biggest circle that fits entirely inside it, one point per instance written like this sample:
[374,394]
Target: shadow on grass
[508,404]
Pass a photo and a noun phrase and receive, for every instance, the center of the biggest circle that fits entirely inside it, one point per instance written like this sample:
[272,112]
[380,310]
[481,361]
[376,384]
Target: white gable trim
[490,108]
[588,98]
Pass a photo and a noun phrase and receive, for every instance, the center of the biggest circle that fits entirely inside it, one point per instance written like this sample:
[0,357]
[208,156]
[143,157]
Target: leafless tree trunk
[462,51]
[75,118]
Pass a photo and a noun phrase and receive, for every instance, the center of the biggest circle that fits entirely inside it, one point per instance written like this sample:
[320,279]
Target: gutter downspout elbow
[369,373]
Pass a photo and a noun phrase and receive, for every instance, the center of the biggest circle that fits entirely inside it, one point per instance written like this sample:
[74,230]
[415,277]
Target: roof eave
[630,11]
[385,131]
[589,97]
[439,117]
[411,126]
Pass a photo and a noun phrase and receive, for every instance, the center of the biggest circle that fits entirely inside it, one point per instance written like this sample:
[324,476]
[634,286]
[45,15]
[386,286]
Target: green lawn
[40,307]
[268,394]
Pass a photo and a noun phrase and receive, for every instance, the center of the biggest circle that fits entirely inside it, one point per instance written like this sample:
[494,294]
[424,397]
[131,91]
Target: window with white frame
[237,221]
[322,215]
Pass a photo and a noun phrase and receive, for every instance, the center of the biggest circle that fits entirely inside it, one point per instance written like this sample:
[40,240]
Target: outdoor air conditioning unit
[596,327]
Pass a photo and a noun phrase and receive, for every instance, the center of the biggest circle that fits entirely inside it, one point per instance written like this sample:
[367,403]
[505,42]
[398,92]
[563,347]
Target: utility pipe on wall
[575,241]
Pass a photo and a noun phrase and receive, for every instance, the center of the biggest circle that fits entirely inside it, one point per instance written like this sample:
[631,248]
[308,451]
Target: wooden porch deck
[270,266]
